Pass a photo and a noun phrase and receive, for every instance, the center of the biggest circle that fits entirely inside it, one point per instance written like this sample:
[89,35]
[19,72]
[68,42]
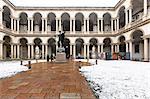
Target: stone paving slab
[47,81]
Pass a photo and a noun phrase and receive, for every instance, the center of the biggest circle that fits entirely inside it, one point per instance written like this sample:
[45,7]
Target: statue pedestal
[61,55]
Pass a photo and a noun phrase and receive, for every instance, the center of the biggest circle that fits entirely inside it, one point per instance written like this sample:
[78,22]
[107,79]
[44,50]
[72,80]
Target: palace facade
[124,28]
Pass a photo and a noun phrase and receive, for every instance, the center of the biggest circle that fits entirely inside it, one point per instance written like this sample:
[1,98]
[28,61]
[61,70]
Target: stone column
[98,26]
[130,48]
[12,51]
[112,25]
[1,50]
[117,23]
[84,26]
[15,51]
[117,47]
[12,23]
[112,48]
[59,24]
[102,26]
[32,25]
[85,51]
[102,48]
[28,51]
[1,20]
[28,25]
[145,8]
[15,25]
[42,25]
[127,48]
[74,26]
[98,48]
[146,54]
[18,27]
[70,25]
[32,51]
[46,25]
[46,49]
[18,51]
[130,14]
[42,51]
[88,50]
[88,25]
[70,49]
[126,20]
[74,51]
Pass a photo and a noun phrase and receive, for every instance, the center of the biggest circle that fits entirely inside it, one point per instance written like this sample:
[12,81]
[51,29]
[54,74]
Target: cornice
[65,8]
[119,3]
[10,4]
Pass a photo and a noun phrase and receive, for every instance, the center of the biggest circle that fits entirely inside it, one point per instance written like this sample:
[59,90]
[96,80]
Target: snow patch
[119,79]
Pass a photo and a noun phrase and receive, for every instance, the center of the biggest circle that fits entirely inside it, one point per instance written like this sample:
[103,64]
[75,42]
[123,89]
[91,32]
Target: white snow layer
[119,79]
[10,68]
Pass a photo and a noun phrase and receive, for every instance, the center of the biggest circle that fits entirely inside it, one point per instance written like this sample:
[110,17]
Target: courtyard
[46,81]
[112,79]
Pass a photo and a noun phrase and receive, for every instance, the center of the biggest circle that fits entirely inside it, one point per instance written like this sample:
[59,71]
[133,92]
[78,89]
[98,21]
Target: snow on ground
[118,79]
[10,68]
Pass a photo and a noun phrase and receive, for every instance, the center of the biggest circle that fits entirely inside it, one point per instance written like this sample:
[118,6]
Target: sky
[65,3]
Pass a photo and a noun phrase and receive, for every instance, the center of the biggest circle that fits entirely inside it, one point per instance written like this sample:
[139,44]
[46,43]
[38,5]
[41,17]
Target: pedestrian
[51,58]
[47,58]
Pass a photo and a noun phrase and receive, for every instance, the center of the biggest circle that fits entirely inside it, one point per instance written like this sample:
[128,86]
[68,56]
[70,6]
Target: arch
[122,17]
[6,17]
[23,22]
[51,46]
[107,45]
[138,45]
[67,47]
[93,22]
[79,47]
[65,19]
[23,48]
[122,44]
[51,22]
[37,22]
[107,22]
[7,47]
[138,6]
[93,46]
[79,21]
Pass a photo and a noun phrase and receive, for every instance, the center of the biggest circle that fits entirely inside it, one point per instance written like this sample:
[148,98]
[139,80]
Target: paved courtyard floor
[46,81]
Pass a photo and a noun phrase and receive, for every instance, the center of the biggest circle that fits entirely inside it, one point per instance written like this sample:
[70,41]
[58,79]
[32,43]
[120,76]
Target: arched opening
[138,45]
[65,20]
[93,22]
[107,45]
[23,48]
[6,17]
[107,22]
[67,47]
[23,22]
[122,17]
[6,47]
[79,22]
[38,44]
[79,47]
[93,46]
[37,22]
[51,47]
[51,22]
[122,44]
[138,7]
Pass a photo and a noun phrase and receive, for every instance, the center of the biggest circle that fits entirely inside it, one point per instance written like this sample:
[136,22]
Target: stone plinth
[61,57]
[70,96]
